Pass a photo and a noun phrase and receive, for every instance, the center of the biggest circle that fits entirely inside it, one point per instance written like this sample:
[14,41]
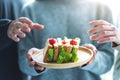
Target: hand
[31,62]
[94,50]
[105,32]
[19,26]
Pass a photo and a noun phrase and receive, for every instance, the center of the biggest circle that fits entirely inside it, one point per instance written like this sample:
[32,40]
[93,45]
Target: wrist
[4,24]
[10,25]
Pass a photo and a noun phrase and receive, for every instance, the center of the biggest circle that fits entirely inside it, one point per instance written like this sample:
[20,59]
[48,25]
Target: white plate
[84,55]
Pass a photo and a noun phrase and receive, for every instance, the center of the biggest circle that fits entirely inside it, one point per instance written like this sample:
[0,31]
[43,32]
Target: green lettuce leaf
[51,55]
[64,56]
[74,55]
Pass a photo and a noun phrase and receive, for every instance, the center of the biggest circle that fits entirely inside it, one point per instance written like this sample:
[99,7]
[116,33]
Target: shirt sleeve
[4,23]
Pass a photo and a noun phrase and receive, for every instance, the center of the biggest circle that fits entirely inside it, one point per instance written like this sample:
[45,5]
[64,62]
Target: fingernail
[91,38]
[17,40]
[28,29]
[42,26]
[99,42]
[89,32]
[90,22]
[24,35]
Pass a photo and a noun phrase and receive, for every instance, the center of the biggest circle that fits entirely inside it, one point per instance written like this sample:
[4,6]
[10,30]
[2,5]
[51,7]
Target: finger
[26,28]
[29,57]
[30,60]
[25,20]
[94,50]
[11,29]
[21,34]
[18,26]
[32,51]
[107,39]
[17,29]
[101,28]
[99,22]
[37,26]
[92,47]
[91,60]
[37,67]
[40,68]
[102,35]
[14,37]
[23,26]
[32,63]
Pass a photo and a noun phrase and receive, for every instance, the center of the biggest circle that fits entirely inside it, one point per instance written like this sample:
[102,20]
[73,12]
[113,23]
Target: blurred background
[115,7]
[113,4]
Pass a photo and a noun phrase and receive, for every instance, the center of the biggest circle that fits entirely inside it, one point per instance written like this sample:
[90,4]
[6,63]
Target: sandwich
[61,51]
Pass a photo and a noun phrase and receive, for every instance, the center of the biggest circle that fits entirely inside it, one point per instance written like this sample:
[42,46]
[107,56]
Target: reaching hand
[104,32]
[17,28]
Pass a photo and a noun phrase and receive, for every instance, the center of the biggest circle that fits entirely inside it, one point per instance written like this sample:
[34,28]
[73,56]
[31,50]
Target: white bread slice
[68,47]
[56,51]
[45,52]
[77,46]
[57,48]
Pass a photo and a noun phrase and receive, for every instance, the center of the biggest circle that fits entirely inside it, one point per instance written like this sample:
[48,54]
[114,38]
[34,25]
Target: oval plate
[84,55]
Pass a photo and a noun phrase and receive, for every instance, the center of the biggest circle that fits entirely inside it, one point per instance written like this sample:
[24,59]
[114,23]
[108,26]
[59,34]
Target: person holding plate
[65,18]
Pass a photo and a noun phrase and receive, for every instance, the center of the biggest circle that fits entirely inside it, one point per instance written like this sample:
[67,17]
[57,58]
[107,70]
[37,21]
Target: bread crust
[46,53]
